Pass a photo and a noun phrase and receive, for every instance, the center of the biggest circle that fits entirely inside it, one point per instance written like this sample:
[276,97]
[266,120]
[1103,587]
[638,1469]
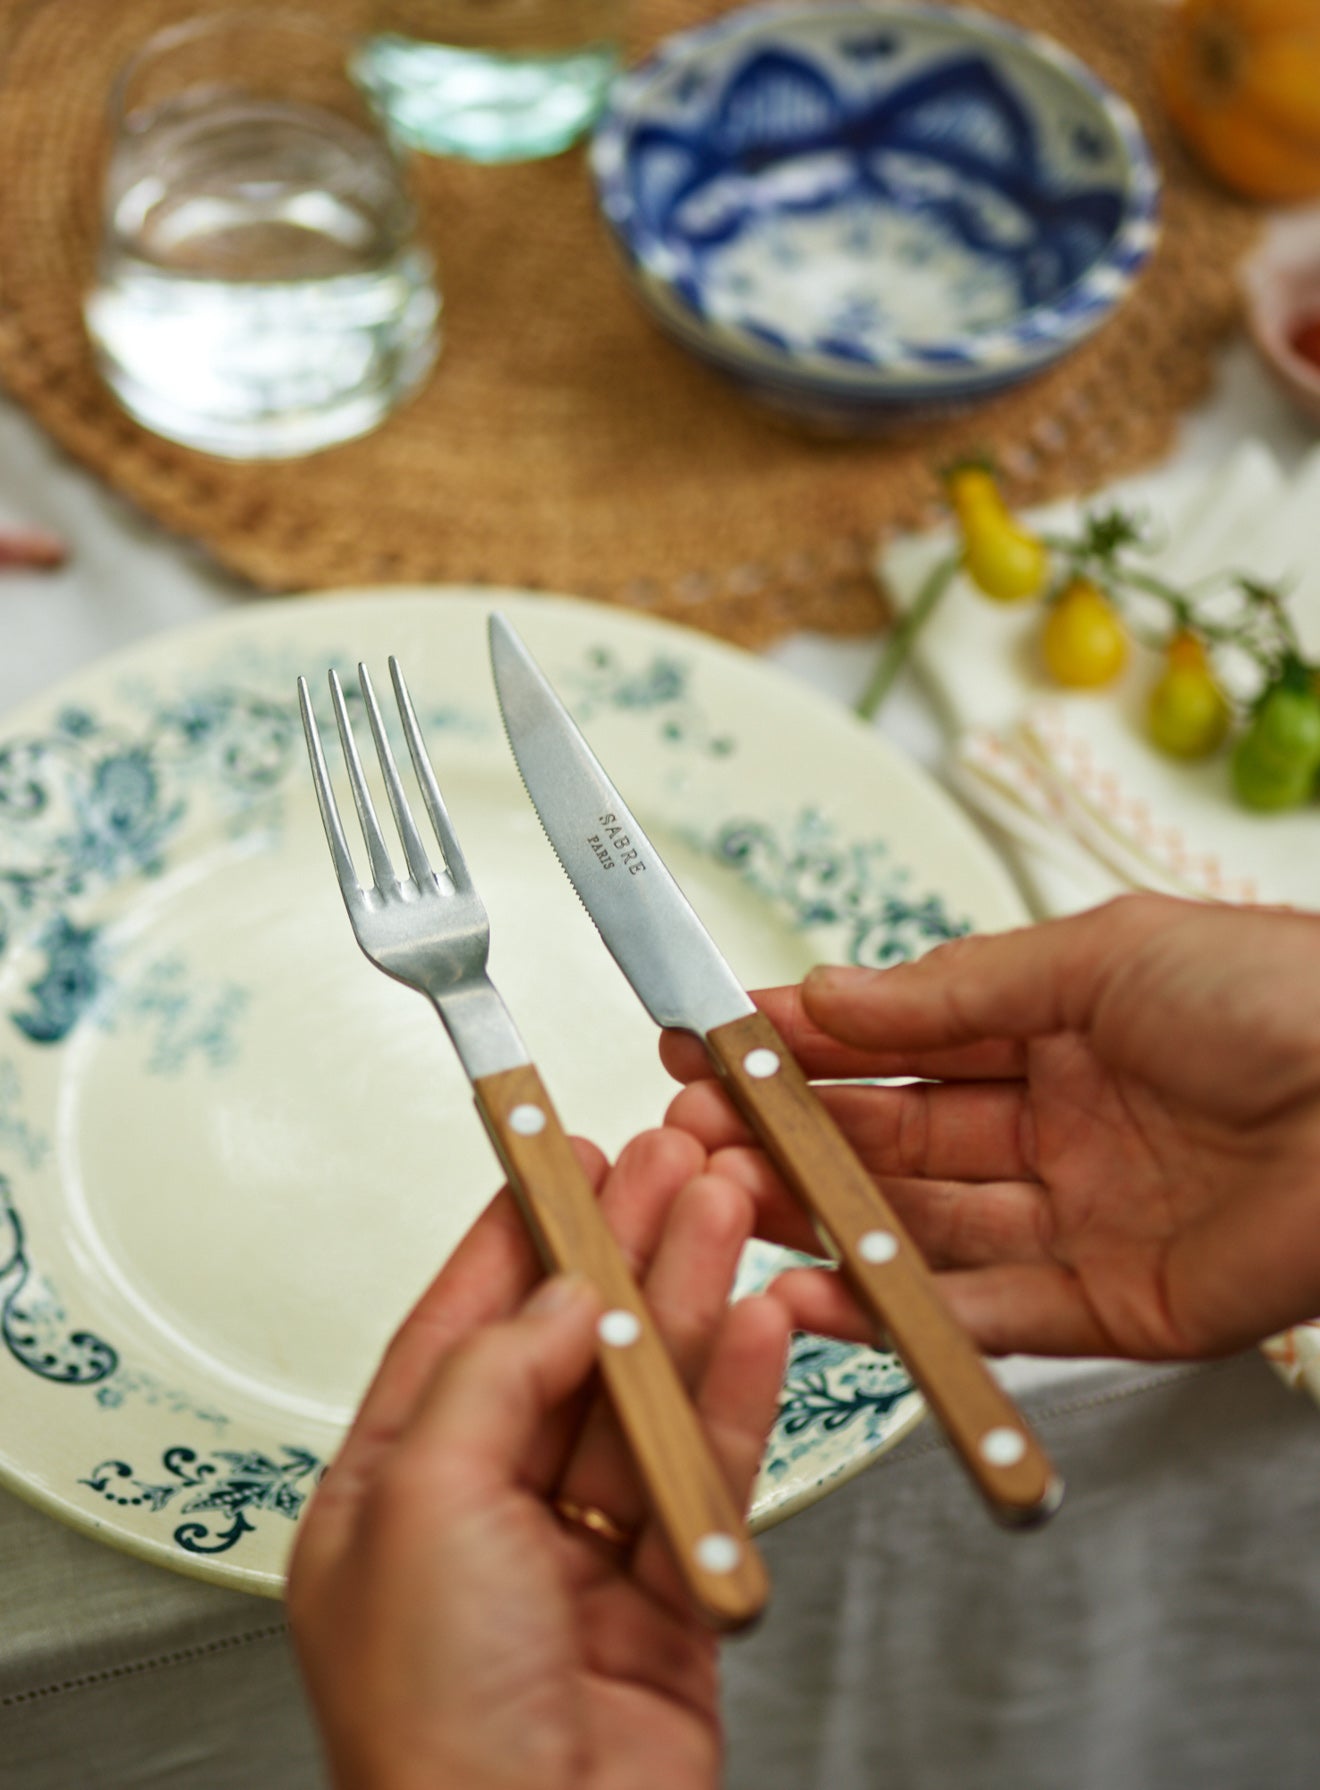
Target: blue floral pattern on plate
[220,1493]
[849,888]
[107,801]
[85,804]
[34,1326]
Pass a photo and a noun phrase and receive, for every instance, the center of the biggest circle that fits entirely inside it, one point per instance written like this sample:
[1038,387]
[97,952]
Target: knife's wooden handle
[682,1481]
[885,1269]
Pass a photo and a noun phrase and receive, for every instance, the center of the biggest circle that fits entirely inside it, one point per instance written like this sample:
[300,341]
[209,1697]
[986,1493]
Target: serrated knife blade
[683,980]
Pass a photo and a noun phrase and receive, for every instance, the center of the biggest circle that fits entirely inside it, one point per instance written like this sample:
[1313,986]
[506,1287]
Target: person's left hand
[452,1629]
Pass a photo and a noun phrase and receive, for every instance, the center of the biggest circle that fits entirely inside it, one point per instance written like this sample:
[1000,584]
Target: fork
[429,929]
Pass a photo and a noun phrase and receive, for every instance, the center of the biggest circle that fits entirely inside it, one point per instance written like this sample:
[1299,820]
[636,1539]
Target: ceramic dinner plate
[232,1152]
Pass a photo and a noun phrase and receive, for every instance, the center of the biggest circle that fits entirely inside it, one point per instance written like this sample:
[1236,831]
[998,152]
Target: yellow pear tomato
[1004,560]
[972,486]
[1187,713]
[1083,641]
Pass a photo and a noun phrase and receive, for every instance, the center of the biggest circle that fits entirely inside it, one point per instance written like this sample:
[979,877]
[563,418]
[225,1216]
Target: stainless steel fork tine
[382,869]
[325,798]
[413,848]
[435,803]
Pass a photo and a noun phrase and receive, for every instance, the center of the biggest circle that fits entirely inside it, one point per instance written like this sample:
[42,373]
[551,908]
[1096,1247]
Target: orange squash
[1241,81]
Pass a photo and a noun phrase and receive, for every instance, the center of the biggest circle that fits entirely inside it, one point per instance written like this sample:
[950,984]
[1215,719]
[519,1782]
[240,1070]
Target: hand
[452,1629]
[1118,1148]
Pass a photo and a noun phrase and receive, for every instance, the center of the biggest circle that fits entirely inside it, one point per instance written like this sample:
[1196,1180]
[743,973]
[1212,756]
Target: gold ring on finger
[595,1522]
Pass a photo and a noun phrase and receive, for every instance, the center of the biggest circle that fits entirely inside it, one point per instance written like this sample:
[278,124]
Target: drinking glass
[491,80]
[260,290]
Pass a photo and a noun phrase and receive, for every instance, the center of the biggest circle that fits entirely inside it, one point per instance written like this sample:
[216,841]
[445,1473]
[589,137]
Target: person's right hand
[1117,1151]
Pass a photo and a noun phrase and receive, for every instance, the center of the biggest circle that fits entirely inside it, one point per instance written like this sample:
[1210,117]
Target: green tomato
[1286,729]
[1276,760]
[1261,781]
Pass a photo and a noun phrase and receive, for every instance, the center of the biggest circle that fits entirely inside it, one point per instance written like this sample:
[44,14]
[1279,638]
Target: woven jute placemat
[562,443]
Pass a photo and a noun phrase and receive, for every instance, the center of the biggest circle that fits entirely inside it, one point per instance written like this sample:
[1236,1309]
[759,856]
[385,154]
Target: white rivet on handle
[618,1328]
[761,1063]
[717,1552]
[527,1120]
[1003,1447]
[877,1246]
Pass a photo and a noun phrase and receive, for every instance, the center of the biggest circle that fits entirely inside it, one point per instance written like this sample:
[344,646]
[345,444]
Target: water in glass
[260,291]
[491,80]
[487,105]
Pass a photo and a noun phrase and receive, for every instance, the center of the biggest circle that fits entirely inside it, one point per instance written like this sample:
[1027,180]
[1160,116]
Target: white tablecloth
[1164,1631]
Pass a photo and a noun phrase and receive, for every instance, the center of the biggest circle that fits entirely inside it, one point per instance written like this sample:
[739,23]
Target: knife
[683,980]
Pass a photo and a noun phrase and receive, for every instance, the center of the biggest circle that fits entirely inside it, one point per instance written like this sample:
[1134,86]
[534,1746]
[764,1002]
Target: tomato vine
[1232,667]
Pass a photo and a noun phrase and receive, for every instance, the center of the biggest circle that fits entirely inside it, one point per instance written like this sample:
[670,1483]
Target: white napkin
[1083,806]
[1086,806]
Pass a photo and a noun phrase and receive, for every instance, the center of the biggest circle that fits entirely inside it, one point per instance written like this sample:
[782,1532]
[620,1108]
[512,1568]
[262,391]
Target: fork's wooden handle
[885,1269]
[682,1481]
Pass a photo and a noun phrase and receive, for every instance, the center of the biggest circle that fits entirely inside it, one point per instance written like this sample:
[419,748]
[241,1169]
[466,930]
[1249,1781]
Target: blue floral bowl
[863,213]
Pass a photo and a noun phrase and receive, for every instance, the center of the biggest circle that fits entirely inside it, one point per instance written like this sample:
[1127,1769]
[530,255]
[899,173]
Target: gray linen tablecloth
[1163,1632]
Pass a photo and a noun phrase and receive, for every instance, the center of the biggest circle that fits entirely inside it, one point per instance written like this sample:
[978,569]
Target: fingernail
[557,1294]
